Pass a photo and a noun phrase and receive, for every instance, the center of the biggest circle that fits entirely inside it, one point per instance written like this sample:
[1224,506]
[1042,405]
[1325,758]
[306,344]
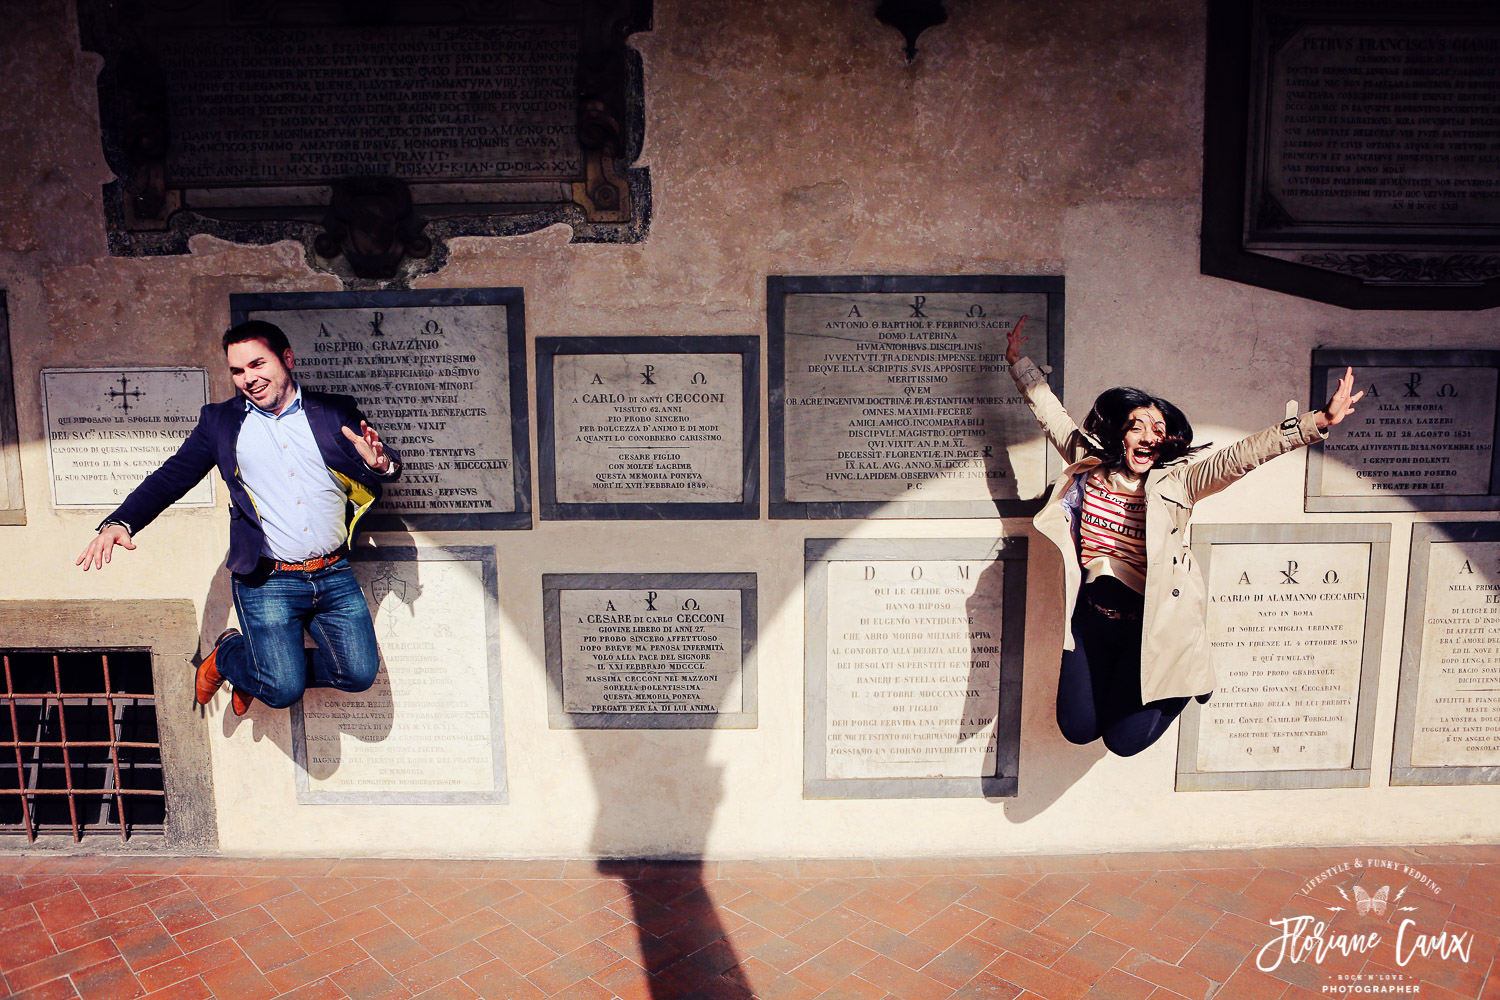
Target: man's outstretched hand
[367,443]
[98,551]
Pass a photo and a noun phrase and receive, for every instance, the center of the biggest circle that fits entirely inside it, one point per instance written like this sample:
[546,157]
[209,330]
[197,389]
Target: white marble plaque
[426,725]
[1458,691]
[1419,431]
[109,428]
[901,396]
[434,380]
[1381,124]
[654,651]
[913,669]
[1286,624]
[649,428]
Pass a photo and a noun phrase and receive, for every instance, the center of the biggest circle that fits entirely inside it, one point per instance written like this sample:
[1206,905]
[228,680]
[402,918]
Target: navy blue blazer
[212,443]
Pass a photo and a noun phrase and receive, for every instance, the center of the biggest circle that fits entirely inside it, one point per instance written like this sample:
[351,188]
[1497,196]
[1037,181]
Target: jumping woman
[1136,649]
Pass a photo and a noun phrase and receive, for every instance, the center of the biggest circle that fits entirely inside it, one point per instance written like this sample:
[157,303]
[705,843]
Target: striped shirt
[1112,529]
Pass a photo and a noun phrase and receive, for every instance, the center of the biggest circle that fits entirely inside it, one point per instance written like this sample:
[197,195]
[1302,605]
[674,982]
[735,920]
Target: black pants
[1099,688]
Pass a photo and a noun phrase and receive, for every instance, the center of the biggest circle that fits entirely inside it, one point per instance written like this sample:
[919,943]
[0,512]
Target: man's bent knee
[359,675]
[281,695]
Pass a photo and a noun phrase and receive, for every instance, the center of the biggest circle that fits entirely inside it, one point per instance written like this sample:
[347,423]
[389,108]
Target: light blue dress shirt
[299,502]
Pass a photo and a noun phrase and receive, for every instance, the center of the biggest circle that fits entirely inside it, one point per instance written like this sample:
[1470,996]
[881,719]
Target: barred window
[79,750]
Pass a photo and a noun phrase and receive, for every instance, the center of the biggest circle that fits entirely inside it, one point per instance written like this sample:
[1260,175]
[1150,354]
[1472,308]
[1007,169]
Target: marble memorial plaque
[648,427]
[109,428]
[1380,123]
[1293,625]
[1458,691]
[441,375]
[647,651]
[429,729]
[363,136]
[1448,705]
[913,669]
[911,677]
[896,401]
[310,125]
[1423,436]
[1351,156]
[1287,637]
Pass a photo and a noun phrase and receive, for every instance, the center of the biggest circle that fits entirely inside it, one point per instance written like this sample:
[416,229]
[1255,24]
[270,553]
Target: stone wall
[1026,138]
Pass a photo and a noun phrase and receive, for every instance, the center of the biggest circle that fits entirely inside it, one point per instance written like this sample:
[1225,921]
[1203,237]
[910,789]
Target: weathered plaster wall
[1027,138]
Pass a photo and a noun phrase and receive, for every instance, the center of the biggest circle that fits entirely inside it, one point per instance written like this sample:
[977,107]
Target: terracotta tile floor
[1153,927]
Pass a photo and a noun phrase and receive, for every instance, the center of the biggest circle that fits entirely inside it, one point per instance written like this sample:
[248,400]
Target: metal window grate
[79,750]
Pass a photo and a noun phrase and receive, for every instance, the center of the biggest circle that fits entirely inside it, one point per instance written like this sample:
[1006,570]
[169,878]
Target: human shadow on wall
[217,615]
[654,787]
[1038,787]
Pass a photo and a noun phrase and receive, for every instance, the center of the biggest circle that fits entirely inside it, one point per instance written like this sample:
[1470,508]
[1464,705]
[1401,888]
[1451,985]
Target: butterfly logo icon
[1365,903]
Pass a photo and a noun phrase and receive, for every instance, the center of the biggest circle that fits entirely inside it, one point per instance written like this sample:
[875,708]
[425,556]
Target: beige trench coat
[1175,657]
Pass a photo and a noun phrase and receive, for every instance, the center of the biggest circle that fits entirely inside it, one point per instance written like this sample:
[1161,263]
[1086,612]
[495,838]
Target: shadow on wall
[1067,763]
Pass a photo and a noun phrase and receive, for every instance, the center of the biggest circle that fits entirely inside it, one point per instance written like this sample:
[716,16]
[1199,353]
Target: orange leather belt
[310,565]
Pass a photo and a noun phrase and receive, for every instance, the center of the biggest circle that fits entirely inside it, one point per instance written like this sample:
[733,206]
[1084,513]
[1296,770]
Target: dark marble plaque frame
[485,556]
[1237,58]
[748,717]
[1423,536]
[778,287]
[13,500]
[818,553]
[241,305]
[1335,361]
[1378,537]
[134,125]
[748,348]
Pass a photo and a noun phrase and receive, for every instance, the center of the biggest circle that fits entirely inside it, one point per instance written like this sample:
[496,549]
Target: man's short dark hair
[258,329]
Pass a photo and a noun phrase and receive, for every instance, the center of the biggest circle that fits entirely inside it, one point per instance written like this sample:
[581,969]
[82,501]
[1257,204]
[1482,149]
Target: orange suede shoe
[209,679]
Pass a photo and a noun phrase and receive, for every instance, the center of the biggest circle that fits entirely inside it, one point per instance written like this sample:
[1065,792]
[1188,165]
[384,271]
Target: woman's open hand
[1013,342]
[1342,403]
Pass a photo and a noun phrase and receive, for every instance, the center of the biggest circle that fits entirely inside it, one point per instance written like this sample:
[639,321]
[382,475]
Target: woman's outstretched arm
[1222,468]
[1060,428]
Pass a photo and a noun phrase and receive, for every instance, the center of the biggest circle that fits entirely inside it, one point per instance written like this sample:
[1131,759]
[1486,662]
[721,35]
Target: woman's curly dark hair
[1108,421]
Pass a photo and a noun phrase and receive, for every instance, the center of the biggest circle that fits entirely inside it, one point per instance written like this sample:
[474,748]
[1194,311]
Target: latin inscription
[1386,124]
[422,103]
[1458,691]
[1417,432]
[913,669]
[648,428]
[109,428]
[1286,627]
[901,396]
[655,651]
[434,381]
[426,725]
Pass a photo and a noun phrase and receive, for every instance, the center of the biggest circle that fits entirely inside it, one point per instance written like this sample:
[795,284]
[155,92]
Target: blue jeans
[268,661]
[1099,687]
